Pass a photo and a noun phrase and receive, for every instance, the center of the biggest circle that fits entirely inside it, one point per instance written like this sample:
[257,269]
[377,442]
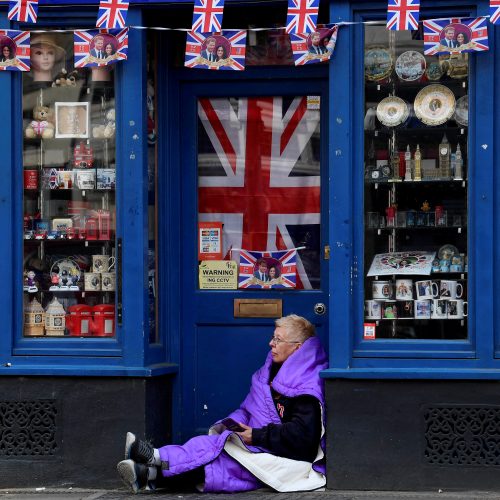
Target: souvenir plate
[378,64]
[434,104]
[434,71]
[392,111]
[462,111]
[410,66]
[447,252]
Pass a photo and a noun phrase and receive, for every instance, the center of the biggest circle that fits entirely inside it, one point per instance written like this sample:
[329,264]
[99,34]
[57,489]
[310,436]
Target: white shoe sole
[126,470]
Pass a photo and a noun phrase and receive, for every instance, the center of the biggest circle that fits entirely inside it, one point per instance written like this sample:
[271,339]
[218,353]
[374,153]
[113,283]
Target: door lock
[319,308]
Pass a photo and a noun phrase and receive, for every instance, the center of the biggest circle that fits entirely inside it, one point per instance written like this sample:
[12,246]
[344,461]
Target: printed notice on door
[218,275]
[209,240]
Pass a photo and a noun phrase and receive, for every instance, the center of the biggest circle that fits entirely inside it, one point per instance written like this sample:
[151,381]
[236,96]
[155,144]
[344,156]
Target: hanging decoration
[15,50]
[112,14]
[224,50]
[302,16]
[207,16]
[495,11]
[94,48]
[455,35]
[23,11]
[268,269]
[314,48]
[403,14]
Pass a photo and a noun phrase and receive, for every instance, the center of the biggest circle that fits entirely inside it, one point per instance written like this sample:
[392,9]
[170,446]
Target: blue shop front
[142,199]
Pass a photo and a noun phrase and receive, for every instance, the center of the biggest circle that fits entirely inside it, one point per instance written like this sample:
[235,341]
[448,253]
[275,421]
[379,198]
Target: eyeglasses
[277,341]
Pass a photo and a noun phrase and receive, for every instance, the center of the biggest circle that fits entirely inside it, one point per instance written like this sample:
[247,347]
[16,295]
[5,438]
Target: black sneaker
[139,451]
[134,476]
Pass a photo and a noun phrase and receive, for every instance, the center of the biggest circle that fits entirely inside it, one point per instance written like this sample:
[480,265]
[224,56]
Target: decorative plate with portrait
[447,252]
[462,111]
[410,66]
[434,71]
[64,274]
[378,64]
[434,104]
[392,111]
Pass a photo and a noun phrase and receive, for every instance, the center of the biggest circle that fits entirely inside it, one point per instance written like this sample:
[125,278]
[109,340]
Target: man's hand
[246,435]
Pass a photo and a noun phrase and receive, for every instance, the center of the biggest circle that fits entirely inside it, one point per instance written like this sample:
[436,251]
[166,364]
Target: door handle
[319,308]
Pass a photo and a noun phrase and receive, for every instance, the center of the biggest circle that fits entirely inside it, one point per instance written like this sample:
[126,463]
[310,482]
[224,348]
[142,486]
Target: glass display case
[69,204]
[416,188]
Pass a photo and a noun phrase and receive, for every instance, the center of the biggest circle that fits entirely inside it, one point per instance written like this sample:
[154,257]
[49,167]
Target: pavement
[122,494]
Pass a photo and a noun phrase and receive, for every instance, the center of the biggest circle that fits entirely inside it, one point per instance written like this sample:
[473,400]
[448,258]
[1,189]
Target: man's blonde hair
[297,325]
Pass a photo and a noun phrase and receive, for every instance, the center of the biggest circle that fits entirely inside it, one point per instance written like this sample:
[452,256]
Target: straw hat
[47,39]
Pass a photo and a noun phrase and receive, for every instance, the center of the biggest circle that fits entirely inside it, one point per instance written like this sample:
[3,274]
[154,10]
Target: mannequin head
[46,57]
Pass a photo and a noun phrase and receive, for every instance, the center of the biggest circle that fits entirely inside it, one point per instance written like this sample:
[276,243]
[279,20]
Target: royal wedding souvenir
[410,66]
[392,111]
[378,64]
[434,104]
[462,111]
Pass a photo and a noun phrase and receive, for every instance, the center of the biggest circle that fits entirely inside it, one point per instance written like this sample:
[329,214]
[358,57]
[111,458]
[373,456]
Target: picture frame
[72,120]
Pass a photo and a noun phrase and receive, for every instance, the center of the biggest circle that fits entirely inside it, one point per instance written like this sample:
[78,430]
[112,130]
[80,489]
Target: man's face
[449,34]
[281,351]
[315,39]
[263,267]
[211,45]
[99,42]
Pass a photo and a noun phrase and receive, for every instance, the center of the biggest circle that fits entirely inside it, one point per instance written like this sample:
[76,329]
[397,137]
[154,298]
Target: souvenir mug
[381,289]
[422,309]
[457,309]
[108,281]
[92,282]
[439,309]
[405,309]
[30,179]
[389,309]
[373,309]
[426,289]
[444,265]
[102,263]
[404,289]
[449,289]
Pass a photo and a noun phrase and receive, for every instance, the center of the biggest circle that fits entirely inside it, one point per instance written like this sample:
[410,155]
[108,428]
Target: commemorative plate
[447,252]
[392,111]
[462,111]
[434,71]
[378,64]
[434,104]
[410,66]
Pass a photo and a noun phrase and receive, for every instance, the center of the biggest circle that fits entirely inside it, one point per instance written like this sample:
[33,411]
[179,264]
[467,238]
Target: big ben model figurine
[444,159]
[457,174]
[408,163]
[395,166]
[417,168]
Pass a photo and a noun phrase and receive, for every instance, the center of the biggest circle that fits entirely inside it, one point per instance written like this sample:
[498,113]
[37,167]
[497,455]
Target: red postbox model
[78,320]
[103,322]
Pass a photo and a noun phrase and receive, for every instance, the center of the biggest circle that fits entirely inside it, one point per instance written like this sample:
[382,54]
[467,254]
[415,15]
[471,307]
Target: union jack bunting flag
[302,16]
[18,43]
[314,48]
[268,269]
[24,11]
[224,50]
[207,16]
[403,14]
[259,174]
[494,11]
[100,47]
[453,36]
[112,14]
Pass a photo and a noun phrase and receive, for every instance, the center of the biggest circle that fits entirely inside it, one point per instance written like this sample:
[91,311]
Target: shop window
[69,167]
[416,187]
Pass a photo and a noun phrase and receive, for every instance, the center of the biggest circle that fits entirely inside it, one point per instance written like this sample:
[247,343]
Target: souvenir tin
[434,71]
[392,111]
[378,64]
[410,66]
[434,104]
[462,111]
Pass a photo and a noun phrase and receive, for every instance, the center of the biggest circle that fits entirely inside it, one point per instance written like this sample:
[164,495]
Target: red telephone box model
[103,322]
[78,320]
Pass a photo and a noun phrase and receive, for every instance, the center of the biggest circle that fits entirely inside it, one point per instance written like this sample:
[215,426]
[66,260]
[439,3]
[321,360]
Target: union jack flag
[474,29]
[19,42]
[24,11]
[112,14]
[305,53]
[258,160]
[207,16]
[495,11]
[232,44]
[281,269]
[403,14]
[302,16]
[84,57]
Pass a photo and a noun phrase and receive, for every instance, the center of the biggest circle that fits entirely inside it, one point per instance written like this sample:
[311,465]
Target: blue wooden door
[253,158]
